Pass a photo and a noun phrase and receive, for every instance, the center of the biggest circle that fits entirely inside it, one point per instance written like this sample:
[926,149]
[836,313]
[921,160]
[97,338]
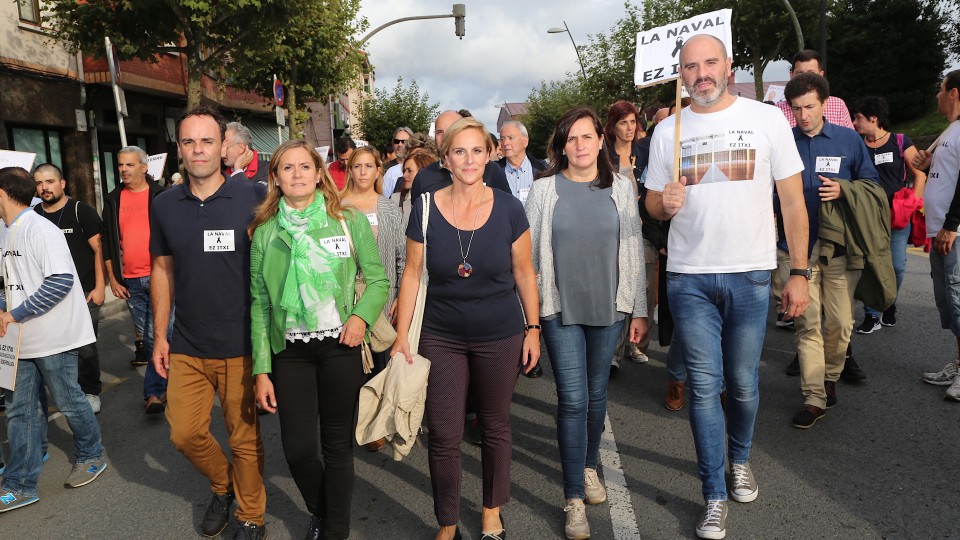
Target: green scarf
[311,280]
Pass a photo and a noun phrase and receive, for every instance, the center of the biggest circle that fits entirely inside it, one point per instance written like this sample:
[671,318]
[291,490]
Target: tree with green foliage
[403,106]
[546,105]
[891,48]
[311,55]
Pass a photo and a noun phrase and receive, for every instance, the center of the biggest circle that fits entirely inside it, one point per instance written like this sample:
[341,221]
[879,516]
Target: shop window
[43,142]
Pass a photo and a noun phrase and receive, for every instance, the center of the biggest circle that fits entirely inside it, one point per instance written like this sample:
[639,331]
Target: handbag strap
[416,323]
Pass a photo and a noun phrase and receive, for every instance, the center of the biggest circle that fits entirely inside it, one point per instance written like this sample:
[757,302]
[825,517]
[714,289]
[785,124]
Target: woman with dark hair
[620,133]
[306,328]
[412,163]
[585,231]
[892,155]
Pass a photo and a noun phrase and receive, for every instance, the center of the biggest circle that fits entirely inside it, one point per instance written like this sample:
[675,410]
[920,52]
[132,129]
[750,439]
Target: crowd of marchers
[425,276]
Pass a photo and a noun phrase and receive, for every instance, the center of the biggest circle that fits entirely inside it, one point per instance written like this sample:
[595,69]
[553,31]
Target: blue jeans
[721,320]
[675,368]
[142,315]
[580,357]
[24,419]
[898,249]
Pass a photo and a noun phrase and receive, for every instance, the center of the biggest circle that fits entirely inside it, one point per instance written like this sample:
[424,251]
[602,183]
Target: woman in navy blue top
[480,323]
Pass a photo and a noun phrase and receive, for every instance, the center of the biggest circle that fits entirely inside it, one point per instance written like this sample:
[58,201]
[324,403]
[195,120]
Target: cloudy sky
[506,51]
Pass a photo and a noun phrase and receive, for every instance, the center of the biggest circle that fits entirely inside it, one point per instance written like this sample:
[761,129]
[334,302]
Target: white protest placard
[774,93]
[11,158]
[658,49]
[323,151]
[155,164]
[9,355]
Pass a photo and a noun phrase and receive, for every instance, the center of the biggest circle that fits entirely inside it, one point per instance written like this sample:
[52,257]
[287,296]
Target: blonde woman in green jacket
[306,329]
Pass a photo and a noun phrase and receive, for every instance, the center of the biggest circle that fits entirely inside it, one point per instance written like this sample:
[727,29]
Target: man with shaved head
[434,176]
[722,248]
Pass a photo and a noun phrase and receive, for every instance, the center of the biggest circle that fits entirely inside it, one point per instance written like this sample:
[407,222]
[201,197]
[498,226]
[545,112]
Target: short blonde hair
[459,127]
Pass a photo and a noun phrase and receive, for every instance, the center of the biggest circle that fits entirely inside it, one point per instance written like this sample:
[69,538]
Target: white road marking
[623,519]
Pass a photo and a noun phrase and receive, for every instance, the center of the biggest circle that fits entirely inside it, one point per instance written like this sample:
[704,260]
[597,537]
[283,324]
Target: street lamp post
[459,15]
[567,30]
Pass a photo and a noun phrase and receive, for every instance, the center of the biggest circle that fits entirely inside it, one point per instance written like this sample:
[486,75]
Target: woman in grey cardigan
[585,230]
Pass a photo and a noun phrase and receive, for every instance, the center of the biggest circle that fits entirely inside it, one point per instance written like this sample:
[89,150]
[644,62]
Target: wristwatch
[805,272]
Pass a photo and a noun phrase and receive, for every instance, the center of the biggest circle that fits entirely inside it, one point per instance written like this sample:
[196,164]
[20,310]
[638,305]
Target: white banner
[9,355]
[774,93]
[10,158]
[155,164]
[658,49]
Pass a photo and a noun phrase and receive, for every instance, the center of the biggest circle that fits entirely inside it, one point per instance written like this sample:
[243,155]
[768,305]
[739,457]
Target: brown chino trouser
[193,384]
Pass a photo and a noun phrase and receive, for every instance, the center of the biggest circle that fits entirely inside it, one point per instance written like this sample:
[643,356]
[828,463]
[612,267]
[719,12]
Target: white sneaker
[954,391]
[577,527]
[944,377]
[94,401]
[592,488]
[745,488]
[713,524]
[638,356]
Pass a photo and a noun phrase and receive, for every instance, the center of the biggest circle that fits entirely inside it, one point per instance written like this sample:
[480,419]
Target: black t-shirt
[484,306]
[79,223]
[890,164]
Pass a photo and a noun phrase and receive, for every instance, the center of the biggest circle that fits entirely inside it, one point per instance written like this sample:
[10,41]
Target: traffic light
[459,14]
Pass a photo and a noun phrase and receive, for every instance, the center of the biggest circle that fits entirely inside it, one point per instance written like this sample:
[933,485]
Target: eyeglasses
[400,141]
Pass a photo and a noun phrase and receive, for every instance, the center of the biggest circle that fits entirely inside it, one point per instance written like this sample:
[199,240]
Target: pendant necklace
[465,269]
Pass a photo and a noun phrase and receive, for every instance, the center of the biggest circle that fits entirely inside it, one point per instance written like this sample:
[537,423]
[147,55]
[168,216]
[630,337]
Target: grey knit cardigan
[631,279]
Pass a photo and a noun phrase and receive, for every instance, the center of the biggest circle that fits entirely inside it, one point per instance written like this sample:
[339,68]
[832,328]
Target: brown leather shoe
[807,416]
[375,445]
[674,399]
[154,405]
[830,387]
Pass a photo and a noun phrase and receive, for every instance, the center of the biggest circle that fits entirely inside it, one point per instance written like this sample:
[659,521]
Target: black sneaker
[869,325]
[889,317]
[787,324]
[250,531]
[807,417]
[793,369]
[851,371]
[139,354]
[830,387]
[217,514]
[316,527]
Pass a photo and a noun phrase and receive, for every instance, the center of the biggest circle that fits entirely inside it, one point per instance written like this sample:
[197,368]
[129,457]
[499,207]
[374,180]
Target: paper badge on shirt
[219,240]
[337,245]
[828,164]
[880,159]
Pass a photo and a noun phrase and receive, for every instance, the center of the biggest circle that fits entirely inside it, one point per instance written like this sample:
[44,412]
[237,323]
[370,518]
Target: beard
[709,97]
[50,198]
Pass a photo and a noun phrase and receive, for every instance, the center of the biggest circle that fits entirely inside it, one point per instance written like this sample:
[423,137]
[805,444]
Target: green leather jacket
[269,262]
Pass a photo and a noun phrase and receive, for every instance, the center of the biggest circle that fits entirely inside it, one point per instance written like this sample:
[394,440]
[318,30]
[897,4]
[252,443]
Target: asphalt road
[882,464]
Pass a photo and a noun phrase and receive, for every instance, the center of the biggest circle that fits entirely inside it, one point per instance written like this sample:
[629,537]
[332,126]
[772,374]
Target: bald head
[705,69]
[444,121]
[701,41]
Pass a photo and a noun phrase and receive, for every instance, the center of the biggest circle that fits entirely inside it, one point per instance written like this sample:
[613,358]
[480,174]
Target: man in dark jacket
[126,252]
[239,157]
[433,176]
[519,168]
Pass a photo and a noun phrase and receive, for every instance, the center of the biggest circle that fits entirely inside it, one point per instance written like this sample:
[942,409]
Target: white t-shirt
[34,248]
[942,180]
[731,159]
[390,179]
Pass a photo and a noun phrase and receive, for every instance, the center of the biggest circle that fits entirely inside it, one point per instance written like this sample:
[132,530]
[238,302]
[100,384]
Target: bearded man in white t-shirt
[43,295]
[734,152]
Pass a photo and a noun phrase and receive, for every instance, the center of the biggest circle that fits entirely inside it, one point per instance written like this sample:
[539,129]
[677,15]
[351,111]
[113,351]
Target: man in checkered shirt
[835,109]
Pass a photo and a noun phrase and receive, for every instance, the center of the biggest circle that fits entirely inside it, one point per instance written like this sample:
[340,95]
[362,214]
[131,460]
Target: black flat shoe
[502,535]
[535,373]
[457,536]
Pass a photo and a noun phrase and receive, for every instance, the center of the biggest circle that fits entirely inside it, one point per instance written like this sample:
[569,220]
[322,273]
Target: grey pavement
[882,464]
